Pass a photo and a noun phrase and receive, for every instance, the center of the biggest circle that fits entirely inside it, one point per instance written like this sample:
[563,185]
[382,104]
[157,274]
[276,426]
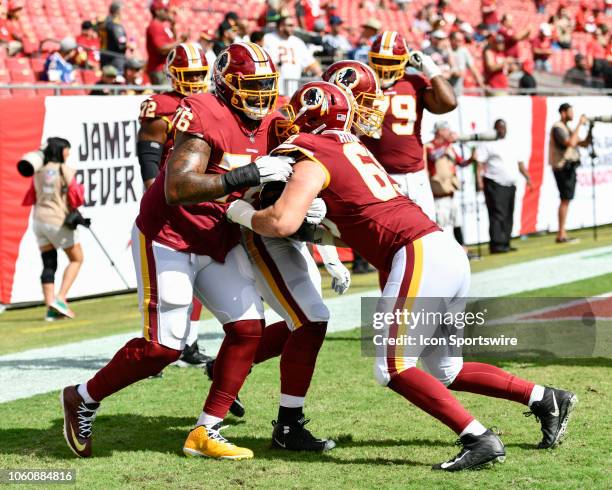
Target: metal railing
[114,89]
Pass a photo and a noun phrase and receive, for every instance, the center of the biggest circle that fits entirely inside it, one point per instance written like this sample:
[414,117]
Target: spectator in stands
[58,66]
[207,40]
[55,194]
[135,75]
[596,51]
[462,61]
[226,36]
[161,39]
[488,8]
[240,26]
[581,17]
[496,65]
[88,46]
[497,174]
[290,55]
[527,80]
[307,12]
[445,12]
[440,51]
[11,35]
[109,77]
[420,22]
[257,37]
[274,10]
[335,40]
[579,74]
[564,27]
[369,31]
[113,39]
[402,4]
[541,46]
[563,157]
[512,38]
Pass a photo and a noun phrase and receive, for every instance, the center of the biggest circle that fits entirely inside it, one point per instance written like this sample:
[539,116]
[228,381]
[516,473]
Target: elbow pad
[149,157]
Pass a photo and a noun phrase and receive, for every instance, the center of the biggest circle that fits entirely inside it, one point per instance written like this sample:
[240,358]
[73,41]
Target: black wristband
[247,176]
[149,156]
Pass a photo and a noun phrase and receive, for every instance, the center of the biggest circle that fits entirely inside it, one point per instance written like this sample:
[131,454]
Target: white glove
[240,212]
[341,277]
[316,212]
[274,169]
[424,63]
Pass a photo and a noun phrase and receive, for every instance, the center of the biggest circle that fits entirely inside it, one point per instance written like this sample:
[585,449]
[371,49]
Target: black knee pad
[49,260]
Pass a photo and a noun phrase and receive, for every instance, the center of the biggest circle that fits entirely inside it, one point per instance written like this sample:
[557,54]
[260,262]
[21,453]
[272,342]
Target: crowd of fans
[490,55]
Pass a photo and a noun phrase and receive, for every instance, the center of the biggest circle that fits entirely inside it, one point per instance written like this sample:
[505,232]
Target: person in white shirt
[290,55]
[497,175]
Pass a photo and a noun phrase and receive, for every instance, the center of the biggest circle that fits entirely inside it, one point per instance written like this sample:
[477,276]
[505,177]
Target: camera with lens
[31,162]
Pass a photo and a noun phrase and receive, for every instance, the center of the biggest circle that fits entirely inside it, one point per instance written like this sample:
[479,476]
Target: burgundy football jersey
[202,228]
[162,106]
[399,148]
[364,207]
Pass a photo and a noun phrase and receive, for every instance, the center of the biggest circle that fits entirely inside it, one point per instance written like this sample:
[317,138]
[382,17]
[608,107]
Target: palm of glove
[341,277]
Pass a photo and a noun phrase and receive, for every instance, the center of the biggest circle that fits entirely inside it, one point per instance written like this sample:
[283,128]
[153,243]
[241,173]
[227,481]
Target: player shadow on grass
[165,434]
[84,362]
[121,432]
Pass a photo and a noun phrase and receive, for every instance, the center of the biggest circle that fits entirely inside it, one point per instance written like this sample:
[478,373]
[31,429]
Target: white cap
[68,44]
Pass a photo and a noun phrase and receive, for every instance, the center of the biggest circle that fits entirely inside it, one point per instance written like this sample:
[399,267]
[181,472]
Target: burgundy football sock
[233,364]
[136,360]
[299,358]
[272,341]
[488,380]
[431,396]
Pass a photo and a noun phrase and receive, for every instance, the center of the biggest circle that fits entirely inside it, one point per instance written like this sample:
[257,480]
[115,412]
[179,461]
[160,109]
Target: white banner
[102,132]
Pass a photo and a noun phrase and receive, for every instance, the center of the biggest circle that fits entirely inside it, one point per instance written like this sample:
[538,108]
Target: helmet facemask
[285,128]
[389,68]
[368,117]
[183,79]
[255,95]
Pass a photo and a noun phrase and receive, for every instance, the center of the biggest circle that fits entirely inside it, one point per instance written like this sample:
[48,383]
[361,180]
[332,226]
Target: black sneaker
[478,452]
[295,437]
[237,408]
[553,413]
[192,356]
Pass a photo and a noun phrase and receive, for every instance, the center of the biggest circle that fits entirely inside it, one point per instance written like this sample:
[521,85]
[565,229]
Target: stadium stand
[43,23]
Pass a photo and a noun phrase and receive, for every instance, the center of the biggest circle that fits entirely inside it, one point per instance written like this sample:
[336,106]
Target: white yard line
[37,371]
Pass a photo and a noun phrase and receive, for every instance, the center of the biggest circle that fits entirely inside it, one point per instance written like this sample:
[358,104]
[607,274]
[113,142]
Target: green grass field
[383,442]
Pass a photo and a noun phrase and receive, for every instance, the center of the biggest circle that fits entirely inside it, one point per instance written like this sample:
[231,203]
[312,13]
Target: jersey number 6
[373,175]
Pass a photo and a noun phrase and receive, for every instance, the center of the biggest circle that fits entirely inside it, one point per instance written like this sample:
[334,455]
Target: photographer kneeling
[55,195]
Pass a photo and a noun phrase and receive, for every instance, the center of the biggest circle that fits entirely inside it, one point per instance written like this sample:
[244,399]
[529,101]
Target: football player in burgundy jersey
[398,147]
[366,211]
[183,245]
[187,68]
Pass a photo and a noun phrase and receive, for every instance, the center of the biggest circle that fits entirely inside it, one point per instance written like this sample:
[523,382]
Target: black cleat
[237,408]
[192,356]
[295,437]
[478,452]
[553,413]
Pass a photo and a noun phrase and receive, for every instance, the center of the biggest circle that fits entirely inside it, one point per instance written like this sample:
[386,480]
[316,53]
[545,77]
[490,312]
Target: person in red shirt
[160,40]
[512,38]
[496,64]
[366,211]
[488,9]
[88,46]
[596,52]
[542,48]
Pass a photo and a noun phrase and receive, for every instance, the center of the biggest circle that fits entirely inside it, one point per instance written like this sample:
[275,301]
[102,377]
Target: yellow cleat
[209,443]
